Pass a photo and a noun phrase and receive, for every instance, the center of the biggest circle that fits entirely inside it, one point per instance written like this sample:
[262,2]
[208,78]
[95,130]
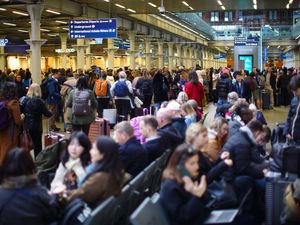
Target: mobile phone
[182,170]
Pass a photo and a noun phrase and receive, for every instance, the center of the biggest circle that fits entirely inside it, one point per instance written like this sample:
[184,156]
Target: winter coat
[195,92]
[154,148]
[54,97]
[224,86]
[160,88]
[179,124]
[82,120]
[96,188]
[133,156]
[170,136]
[242,149]
[25,202]
[9,136]
[34,108]
[292,125]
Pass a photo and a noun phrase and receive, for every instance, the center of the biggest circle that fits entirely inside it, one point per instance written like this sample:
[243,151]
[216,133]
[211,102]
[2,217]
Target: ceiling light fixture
[2,9]
[291,1]
[298,37]
[191,8]
[106,0]
[53,12]
[254,2]
[255,6]
[219,2]
[62,22]
[10,24]
[131,10]
[223,7]
[20,13]
[185,3]
[268,46]
[278,46]
[120,6]
[23,31]
[64,28]
[288,6]
[153,5]
[52,35]
[42,29]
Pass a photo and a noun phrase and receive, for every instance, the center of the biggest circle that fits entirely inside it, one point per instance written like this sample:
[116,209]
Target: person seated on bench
[154,143]
[133,156]
[71,170]
[22,199]
[104,177]
[171,138]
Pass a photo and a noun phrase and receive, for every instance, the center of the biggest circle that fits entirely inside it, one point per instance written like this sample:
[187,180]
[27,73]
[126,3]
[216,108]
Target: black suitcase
[266,100]
[275,187]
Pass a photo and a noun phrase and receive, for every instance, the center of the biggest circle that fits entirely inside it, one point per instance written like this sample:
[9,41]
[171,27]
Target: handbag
[25,140]
[223,193]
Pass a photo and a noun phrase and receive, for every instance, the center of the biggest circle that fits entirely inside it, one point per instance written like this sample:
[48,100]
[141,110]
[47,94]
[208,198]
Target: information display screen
[248,61]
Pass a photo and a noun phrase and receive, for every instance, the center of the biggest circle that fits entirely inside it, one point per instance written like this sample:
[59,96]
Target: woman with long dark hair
[104,175]
[84,104]
[22,199]
[11,116]
[75,159]
[194,89]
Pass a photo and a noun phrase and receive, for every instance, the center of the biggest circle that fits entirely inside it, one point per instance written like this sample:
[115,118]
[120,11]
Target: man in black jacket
[243,151]
[224,87]
[154,143]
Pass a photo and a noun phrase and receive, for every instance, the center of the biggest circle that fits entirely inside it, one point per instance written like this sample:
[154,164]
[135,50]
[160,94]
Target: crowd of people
[232,149]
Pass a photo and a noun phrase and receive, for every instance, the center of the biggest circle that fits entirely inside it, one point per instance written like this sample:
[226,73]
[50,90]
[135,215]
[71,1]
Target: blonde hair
[193,131]
[34,91]
[188,109]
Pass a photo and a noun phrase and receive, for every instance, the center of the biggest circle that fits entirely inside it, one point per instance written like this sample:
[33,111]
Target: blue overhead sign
[99,28]
[243,41]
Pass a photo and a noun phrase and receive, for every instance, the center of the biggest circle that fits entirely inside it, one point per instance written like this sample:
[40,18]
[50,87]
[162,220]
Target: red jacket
[195,92]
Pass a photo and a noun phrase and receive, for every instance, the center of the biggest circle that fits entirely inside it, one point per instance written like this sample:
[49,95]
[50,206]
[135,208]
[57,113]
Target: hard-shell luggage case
[111,116]
[275,187]
[266,100]
[99,127]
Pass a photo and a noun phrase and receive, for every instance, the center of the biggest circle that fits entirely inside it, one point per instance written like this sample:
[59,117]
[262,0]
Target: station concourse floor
[276,115]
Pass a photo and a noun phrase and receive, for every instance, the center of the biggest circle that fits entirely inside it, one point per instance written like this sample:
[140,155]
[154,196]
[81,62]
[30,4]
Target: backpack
[101,88]
[4,118]
[121,89]
[76,213]
[81,103]
[147,87]
[44,89]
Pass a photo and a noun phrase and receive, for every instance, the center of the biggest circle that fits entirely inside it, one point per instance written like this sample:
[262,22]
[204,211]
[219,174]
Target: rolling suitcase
[266,100]
[99,127]
[51,137]
[275,187]
[111,116]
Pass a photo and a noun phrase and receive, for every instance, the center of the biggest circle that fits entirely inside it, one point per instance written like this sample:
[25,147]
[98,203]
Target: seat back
[123,206]
[104,213]
[149,213]
[137,191]
[149,178]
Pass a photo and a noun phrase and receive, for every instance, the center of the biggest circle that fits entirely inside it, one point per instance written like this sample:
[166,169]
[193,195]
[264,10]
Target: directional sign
[3,42]
[99,28]
[243,41]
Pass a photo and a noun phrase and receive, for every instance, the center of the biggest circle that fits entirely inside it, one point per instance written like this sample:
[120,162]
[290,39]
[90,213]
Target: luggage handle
[145,111]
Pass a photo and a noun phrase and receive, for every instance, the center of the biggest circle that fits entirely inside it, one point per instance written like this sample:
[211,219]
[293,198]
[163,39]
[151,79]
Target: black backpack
[44,89]
[76,213]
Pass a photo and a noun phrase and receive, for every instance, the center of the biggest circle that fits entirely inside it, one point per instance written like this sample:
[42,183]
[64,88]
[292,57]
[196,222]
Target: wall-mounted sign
[244,41]
[68,50]
[99,28]
[3,42]
[221,56]
[121,43]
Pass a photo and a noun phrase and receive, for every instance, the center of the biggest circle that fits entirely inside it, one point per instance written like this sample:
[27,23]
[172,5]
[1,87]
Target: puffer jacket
[224,86]
[34,108]
[292,125]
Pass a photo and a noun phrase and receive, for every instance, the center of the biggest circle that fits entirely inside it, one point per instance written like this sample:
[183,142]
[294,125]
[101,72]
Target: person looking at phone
[182,199]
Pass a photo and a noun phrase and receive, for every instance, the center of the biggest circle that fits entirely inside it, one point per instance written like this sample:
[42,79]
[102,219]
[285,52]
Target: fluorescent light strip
[288,6]
[10,24]
[191,8]
[223,7]
[20,13]
[42,29]
[153,5]
[106,0]
[185,3]
[23,31]
[255,6]
[120,6]
[52,35]
[62,22]
[254,2]
[53,12]
[2,9]
[298,37]
[278,46]
[64,28]
[291,1]
[131,10]
[219,2]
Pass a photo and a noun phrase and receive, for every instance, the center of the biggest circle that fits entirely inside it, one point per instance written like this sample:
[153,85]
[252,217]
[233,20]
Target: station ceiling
[14,18]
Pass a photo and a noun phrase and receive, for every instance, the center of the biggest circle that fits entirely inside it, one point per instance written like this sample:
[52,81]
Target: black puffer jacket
[34,108]
[160,88]
[224,86]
